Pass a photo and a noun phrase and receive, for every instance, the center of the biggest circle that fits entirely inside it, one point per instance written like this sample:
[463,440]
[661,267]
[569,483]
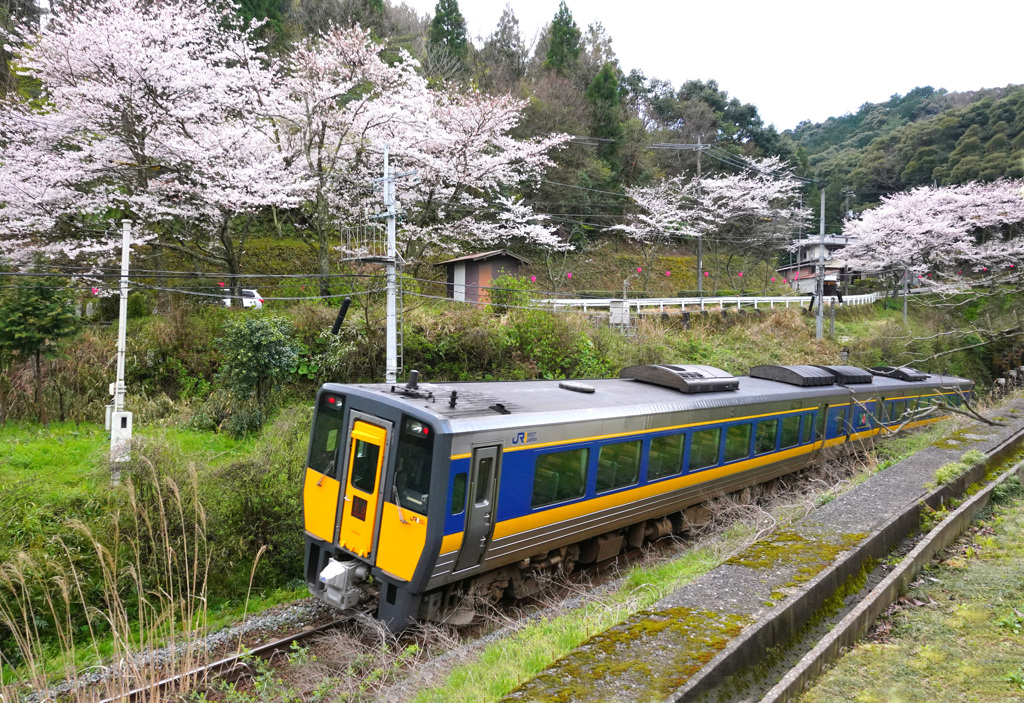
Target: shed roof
[484,255]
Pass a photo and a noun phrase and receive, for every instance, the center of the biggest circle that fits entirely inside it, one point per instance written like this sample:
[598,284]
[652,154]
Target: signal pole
[819,321]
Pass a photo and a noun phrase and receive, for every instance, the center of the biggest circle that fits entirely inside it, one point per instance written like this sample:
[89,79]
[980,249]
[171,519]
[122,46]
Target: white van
[250,299]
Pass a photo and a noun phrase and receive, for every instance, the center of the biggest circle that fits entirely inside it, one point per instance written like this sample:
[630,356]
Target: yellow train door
[367,456]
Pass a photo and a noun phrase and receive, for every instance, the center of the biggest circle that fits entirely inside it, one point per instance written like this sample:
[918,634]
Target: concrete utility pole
[391,262]
[700,238]
[820,319]
[906,284]
[120,422]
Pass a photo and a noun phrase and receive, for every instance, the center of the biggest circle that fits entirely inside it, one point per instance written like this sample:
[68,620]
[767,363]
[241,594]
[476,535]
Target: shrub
[258,353]
[510,292]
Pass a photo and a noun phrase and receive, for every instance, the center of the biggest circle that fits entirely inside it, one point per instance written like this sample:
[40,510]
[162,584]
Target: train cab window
[560,476]
[666,457]
[764,438]
[618,465]
[458,494]
[327,433]
[790,431]
[704,445]
[413,464]
[737,442]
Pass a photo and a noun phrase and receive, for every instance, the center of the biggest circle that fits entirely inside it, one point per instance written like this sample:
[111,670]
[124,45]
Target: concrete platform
[727,620]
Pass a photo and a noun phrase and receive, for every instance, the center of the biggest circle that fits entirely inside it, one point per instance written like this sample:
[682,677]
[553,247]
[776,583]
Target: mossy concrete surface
[722,623]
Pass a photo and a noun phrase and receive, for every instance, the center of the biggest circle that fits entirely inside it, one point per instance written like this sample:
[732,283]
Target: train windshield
[412,465]
[327,434]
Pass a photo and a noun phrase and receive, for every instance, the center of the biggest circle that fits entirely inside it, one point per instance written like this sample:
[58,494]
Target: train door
[367,455]
[483,485]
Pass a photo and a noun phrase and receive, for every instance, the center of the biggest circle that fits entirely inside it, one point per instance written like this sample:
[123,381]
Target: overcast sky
[794,59]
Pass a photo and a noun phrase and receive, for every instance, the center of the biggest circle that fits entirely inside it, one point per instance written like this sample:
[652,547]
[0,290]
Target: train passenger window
[666,457]
[704,446]
[560,476]
[327,428]
[618,465]
[737,442]
[899,410]
[364,466]
[458,493]
[764,439]
[413,464]
[808,427]
[790,431]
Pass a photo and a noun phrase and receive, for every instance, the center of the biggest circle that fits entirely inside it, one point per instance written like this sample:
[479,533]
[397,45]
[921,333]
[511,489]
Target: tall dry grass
[92,634]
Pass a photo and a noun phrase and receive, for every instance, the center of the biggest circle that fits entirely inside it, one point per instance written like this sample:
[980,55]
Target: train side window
[666,457]
[704,446]
[764,439]
[618,465]
[560,476]
[808,427]
[790,431]
[899,410]
[841,426]
[737,442]
[458,493]
[819,428]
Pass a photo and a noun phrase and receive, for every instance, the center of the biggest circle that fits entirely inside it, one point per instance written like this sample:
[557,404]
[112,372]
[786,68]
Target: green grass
[506,663]
[965,644]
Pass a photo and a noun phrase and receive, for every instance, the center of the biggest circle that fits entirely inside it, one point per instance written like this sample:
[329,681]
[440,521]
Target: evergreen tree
[564,43]
[604,96]
[503,57]
[33,320]
[448,28]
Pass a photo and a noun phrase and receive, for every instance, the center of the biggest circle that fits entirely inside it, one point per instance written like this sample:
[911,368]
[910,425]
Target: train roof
[486,405]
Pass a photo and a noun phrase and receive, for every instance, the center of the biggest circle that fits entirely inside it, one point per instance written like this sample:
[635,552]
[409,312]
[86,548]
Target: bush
[258,353]
[510,292]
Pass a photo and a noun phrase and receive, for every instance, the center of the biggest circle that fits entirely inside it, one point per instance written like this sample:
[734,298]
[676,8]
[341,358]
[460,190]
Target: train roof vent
[688,379]
[794,375]
[902,373]
[849,375]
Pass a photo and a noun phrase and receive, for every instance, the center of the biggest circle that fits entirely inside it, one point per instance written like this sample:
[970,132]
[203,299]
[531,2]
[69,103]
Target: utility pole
[120,424]
[906,278]
[700,238]
[391,262]
[820,319]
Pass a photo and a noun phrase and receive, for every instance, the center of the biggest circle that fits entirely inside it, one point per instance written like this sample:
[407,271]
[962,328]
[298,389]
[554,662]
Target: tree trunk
[4,370]
[40,406]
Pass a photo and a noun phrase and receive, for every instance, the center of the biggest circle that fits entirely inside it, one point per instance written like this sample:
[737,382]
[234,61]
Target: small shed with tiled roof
[469,277]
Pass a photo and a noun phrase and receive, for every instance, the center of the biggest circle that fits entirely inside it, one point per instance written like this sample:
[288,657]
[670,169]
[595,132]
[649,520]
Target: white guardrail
[641,305]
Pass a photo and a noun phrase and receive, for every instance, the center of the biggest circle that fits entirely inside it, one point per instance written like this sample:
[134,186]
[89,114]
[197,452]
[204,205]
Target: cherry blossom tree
[953,237]
[339,102]
[147,112]
[750,214]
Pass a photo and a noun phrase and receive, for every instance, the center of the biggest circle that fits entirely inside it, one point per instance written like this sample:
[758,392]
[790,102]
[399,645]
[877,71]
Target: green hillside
[926,136]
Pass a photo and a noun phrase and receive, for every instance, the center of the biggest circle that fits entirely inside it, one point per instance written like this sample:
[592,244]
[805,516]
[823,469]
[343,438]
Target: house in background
[801,270]
[469,277]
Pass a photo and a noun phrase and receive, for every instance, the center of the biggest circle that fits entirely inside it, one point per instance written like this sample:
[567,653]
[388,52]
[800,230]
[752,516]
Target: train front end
[366,501]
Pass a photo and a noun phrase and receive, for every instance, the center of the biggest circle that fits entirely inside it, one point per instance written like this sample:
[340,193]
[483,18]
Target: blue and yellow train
[424,495]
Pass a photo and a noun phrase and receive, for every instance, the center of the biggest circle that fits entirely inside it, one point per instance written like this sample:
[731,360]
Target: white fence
[644,305]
